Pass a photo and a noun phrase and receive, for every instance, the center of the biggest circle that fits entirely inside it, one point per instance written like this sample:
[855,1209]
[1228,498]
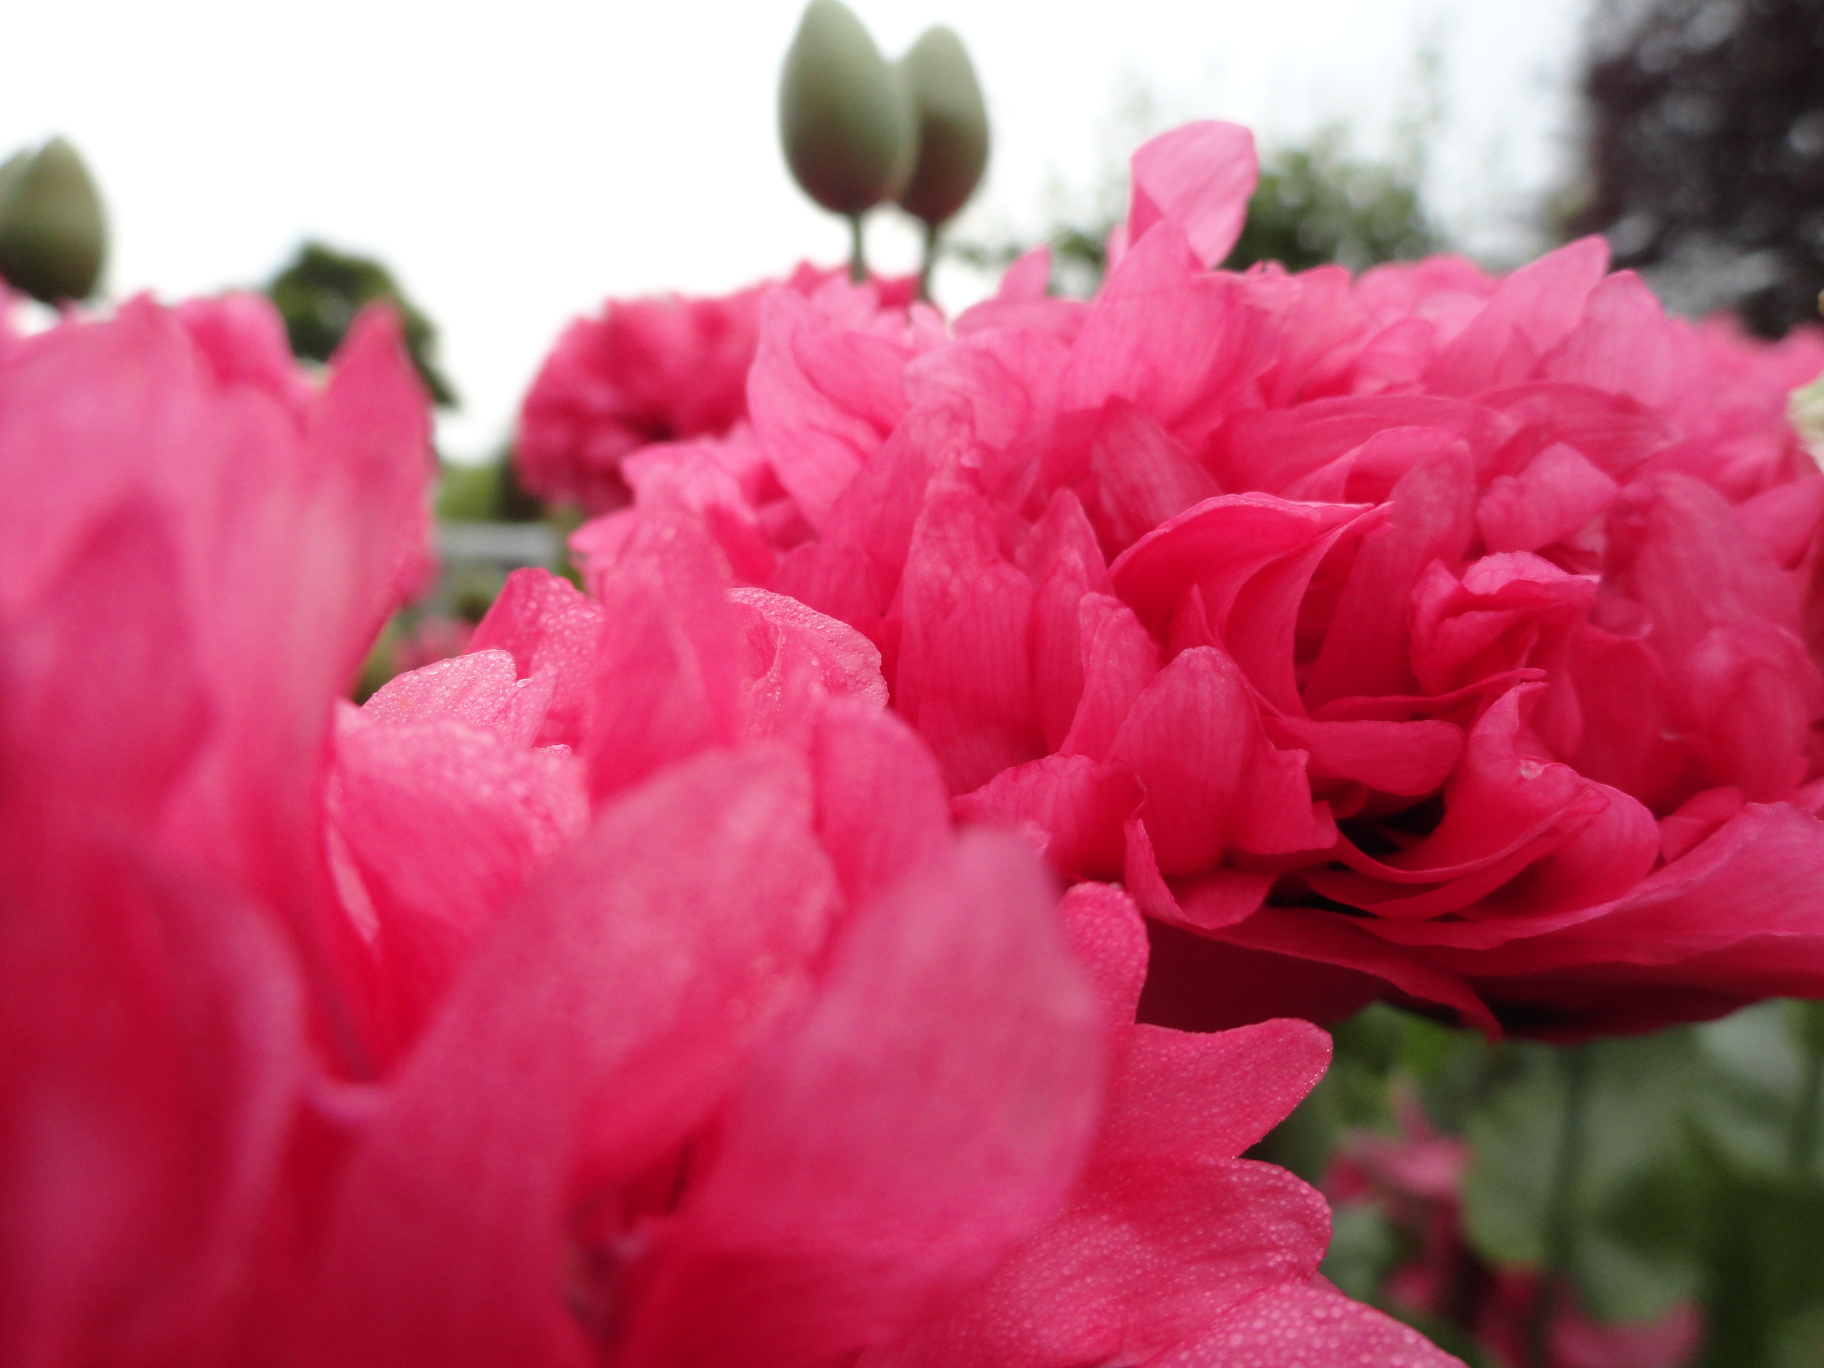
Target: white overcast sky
[516,163]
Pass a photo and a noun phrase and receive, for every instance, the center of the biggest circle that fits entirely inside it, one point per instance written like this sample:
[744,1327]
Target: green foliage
[1629,1206]
[321,291]
[487,492]
[1697,1172]
[1317,204]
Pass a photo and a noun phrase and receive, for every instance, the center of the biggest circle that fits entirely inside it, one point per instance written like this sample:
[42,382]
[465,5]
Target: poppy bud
[844,117]
[52,235]
[953,126]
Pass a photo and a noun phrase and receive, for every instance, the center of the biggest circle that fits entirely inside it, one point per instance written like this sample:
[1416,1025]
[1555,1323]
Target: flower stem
[858,254]
[1808,1115]
[928,264]
[1555,1277]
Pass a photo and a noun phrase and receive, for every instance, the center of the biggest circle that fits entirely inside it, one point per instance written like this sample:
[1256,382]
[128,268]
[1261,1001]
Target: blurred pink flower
[618,992]
[196,549]
[664,368]
[1432,635]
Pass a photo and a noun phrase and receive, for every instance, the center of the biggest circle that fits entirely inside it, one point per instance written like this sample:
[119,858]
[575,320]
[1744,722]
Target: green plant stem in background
[1806,1119]
[929,262]
[858,253]
[1555,1278]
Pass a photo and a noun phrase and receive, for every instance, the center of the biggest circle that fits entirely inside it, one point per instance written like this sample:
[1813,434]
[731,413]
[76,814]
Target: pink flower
[618,992]
[1432,635]
[653,370]
[898,1143]
[196,548]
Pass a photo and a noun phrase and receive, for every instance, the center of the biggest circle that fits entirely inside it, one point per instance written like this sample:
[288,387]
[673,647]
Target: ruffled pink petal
[930,1110]
[1198,176]
[481,689]
[667,679]
[548,626]
[1149,1256]
[599,1019]
[1307,1327]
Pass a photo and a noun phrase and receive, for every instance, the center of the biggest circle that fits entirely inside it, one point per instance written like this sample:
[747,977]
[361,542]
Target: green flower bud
[844,117]
[52,234]
[953,126]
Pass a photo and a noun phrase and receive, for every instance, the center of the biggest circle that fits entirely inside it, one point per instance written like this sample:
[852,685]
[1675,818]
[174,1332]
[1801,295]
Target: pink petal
[978,712]
[931,1109]
[1119,661]
[881,811]
[1409,758]
[666,681]
[1218,544]
[447,824]
[155,1056]
[1274,449]
[1198,176]
[1109,938]
[609,1009]
[1072,804]
[1331,939]
[1170,337]
[1211,779]
[1557,493]
[1180,1095]
[481,689]
[1150,1255]
[1307,1327]
[547,625]
[1530,313]
[956,541]
[1367,649]
[1142,475]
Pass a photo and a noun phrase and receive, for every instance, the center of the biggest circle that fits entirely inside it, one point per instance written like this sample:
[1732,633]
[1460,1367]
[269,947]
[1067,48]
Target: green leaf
[1630,1208]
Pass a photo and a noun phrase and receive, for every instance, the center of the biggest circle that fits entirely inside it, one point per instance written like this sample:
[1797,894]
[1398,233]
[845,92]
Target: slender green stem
[858,253]
[1808,1115]
[928,264]
[1555,1277]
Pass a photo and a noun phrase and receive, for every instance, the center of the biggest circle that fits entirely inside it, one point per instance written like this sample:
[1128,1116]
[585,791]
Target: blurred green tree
[319,293]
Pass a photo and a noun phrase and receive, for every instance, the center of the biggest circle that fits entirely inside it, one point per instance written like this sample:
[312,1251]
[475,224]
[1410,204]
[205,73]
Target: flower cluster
[619,992]
[1430,635]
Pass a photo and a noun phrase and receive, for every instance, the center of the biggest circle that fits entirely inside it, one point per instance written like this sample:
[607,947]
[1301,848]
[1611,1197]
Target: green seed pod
[52,234]
[953,127]
[10,170]
[844,117]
